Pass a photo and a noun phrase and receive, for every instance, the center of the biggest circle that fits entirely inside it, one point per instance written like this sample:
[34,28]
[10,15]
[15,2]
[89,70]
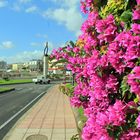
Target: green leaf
[124,87]
[138,108]
[126,16]
[83,98]
[71,43]
[136,100]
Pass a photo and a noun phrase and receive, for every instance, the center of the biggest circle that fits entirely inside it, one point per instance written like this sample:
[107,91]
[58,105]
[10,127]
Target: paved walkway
[51,116]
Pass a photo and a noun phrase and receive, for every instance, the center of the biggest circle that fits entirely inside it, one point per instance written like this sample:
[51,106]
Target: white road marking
[15,115]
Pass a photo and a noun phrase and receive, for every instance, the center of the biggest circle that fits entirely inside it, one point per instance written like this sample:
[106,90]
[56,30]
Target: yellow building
[17,66]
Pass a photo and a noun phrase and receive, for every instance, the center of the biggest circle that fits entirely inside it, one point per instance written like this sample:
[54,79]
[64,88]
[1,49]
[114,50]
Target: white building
[34,65]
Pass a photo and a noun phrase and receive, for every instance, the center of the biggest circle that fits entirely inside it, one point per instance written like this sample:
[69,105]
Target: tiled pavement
[51,116]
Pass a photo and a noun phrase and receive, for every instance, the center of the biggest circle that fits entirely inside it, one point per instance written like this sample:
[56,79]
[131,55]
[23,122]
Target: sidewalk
[51,116]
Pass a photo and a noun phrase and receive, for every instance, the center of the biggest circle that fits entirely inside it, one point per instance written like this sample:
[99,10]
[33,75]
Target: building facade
[3,68]
[17,66]
[56,69]
[34,65]
[3,65]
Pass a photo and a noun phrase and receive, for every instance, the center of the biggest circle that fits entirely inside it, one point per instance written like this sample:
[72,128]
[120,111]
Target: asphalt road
[14,101]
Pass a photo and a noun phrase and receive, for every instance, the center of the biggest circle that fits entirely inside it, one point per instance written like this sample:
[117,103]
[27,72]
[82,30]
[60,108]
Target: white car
[41,80]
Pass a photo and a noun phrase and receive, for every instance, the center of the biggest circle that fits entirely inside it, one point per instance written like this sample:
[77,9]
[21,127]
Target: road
[12,103]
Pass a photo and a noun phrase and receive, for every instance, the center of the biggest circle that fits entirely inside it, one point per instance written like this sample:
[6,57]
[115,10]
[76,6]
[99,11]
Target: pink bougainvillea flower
[136,28]
[83,7]
[75,101]
[112,84]
[105,62]
[136,15]
[116,113]
[133,80]
[131,135]
[138,2]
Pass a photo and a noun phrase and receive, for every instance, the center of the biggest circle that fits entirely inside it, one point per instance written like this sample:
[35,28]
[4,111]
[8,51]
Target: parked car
[41,80]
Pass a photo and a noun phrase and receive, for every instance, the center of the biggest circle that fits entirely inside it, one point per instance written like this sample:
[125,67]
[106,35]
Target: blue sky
[25,25]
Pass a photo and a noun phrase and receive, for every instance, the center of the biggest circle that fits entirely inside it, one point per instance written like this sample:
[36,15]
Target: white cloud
[31,9]
[24,5]
[26,55]
[3,3]
[78,33]
[29,55]
[23,57]
[7,44]
[68,15]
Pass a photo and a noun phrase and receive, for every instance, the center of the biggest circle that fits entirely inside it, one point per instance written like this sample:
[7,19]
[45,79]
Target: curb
[1,92]
[80,122]
[77,118]
[14,83]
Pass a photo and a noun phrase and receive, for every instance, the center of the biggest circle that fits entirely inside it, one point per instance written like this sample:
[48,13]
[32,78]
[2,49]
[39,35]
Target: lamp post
[45,57]
[73,79]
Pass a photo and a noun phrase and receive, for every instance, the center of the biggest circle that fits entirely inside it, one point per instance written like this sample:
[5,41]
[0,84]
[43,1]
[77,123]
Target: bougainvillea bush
[106,63]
